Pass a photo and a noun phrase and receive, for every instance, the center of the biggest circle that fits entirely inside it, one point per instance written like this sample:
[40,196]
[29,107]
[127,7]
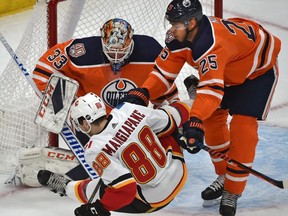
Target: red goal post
[55,21]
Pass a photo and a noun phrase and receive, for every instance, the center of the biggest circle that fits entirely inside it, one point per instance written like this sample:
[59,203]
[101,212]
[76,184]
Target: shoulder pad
[86,51]
[146,49]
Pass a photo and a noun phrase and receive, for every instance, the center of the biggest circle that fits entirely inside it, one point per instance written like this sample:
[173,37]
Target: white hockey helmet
[117,42]
[89,106]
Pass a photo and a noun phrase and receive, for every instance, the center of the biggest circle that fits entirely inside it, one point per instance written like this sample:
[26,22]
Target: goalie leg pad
[56,160]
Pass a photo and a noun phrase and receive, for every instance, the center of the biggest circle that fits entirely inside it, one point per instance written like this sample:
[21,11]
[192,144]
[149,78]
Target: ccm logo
[46,100]
[61,156]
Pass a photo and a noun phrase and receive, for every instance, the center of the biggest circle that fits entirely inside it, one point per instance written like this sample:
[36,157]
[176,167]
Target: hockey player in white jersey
[134,150]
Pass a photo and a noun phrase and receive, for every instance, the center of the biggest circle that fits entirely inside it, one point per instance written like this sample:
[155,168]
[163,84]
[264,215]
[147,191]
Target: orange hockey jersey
[84,61]
[225,52]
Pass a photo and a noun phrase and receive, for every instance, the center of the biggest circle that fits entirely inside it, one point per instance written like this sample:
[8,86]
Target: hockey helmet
[184,11]
[117,42]
[89,106]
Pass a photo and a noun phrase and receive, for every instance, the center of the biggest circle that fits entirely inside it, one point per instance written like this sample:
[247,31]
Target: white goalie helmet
[89,106]
[117,42]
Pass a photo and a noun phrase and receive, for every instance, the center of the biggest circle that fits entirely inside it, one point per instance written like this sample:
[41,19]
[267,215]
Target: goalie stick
[66,133]
[278,183]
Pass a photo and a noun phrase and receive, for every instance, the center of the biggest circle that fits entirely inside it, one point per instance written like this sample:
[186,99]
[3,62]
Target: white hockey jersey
[129,150]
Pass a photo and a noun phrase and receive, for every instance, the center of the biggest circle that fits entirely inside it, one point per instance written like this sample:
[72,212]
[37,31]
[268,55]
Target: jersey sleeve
[161,122]
[54,60]
[170,96]
[210,89]
[121,184]
[167,66]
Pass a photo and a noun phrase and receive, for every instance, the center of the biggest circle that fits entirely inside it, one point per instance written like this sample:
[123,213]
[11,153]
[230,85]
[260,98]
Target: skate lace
[218,183]
[229,199]
[57,183]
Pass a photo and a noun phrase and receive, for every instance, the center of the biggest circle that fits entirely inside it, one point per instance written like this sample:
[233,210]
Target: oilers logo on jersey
[116,90]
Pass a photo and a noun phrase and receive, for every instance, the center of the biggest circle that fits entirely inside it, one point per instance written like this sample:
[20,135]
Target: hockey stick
[95,191]
[66,133]
[278,183]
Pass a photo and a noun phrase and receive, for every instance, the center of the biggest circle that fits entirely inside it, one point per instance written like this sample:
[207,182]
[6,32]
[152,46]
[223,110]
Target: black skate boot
[191,83]
[211,194]
[53,181]
[228,204]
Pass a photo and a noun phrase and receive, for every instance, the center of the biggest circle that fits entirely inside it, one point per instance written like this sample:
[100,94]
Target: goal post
[55,21]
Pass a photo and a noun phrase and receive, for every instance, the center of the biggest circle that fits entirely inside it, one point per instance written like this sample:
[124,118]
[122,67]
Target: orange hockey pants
[238,143]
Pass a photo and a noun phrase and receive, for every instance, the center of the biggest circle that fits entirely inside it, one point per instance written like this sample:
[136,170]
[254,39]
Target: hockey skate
[211,194]
[54,182]
[191,83]
[228,204]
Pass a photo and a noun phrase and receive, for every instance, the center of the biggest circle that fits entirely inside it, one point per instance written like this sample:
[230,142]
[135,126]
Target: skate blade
[210,203]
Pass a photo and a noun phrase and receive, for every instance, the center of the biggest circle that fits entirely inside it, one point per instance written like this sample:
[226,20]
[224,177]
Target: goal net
[56,21]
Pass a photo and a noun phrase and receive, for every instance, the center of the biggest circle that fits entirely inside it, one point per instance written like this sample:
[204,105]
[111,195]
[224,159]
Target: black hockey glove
[138,96]
[91,209]
[193,131]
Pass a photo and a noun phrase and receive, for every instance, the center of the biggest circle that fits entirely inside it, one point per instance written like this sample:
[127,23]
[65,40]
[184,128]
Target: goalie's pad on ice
[56,160]
[59,95]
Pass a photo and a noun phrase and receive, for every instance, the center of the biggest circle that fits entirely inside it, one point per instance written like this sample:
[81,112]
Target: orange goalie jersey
[219,58]
[84,61]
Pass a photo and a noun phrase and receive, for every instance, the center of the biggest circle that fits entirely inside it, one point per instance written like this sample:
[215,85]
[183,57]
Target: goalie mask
[117,42]
[90,107]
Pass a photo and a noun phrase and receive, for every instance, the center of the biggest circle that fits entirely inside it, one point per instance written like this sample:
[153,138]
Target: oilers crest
[116,90]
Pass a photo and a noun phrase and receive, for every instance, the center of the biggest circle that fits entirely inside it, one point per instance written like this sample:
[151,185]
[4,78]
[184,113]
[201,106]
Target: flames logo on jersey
[116,90]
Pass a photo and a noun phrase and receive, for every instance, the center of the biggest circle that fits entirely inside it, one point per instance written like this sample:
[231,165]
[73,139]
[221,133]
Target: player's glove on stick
[138,96]
[193,131]
[91,209]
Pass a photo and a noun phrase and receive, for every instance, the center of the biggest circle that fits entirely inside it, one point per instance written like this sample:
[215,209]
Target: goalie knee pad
[56,160]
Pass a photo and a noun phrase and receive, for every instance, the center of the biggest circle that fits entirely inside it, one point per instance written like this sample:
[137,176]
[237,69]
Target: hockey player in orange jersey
[236,61]
[108,65]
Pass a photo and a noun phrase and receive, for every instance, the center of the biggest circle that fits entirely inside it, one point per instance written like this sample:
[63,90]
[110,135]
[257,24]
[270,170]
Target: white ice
[259,199]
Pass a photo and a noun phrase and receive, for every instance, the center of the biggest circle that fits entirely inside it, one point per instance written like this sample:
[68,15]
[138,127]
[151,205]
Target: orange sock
[243,141]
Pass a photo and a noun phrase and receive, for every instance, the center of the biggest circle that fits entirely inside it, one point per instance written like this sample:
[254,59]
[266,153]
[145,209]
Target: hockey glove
[193,131]
[91,209]
[138,96]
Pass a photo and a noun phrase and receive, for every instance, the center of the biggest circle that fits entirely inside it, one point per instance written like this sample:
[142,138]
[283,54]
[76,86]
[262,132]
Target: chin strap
[88,131]
[116,67]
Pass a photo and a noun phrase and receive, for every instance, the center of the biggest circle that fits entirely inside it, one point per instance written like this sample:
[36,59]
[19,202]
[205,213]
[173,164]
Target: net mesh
[75,18]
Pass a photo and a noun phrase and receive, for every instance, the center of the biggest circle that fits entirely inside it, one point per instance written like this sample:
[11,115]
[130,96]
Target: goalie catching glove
[92,209]
[193,131]
[138,96]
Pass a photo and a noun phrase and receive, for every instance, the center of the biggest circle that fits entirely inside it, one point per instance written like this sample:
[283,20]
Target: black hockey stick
[95,191]
[278,183]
